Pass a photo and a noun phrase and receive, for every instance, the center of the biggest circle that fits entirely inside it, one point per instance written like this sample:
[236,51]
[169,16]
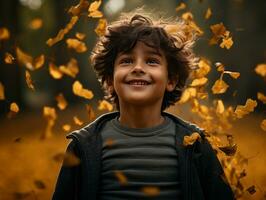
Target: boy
[138,152]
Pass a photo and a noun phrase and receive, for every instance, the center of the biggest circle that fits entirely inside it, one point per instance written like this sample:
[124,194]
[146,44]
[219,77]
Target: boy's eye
[126,61]
[153,61]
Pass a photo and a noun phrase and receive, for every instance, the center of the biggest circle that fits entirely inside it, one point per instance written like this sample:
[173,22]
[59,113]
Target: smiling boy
[138,152]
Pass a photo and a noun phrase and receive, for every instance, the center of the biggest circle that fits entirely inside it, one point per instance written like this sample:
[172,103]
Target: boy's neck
[140,117]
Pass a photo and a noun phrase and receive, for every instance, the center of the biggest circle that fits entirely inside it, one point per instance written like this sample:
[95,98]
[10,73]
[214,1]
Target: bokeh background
[29,165]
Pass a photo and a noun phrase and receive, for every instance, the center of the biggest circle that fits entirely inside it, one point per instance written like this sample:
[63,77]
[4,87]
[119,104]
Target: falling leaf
[4,33]
[219,67]
[227,43]
[54,71]
[80,36]
[39,61]
[77,45]
[80,91]
[241,111]
[91,114]
[9,59]
[220,107]
[50,114]
[234,75]
[261,69]
[39,184]
[101,27]
[191,139]
[66,127]
[122,179]
[61,101]
[181,6]
[14,107]
[2,91]
[36,23]
[218,29]
[261,97]
[208,13]
[187,94]
[204,68]
[105,105]
[77,121]
[71,69]
[76,10]
[29,80]
[219,87]
[51,41]
[263,125]
[199,82]
[93,9]
[188,16]
[151,191]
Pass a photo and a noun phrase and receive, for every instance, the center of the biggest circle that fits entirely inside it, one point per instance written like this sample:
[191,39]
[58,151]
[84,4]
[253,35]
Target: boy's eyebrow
[148,52]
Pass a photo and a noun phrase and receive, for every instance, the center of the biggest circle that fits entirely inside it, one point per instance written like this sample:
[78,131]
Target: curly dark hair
[175,38]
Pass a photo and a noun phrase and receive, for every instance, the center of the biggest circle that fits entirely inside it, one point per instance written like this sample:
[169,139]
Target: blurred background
[29,165]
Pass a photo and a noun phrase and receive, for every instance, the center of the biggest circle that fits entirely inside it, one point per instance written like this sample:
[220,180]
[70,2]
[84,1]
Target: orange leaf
[241,111]
[9,59]
[2,91]
[181,6]
[227,43]
[91,114]
[80,36]
[36,23]
[218,29]
[204,68]
[199,82]
[14,107]
[219,67]
[219,87]
[80,91]
[29,80]
[263,125]
[50,114]
[76,10]
[54,71]
[93,9]
[61,101]
[191,139]
[66,127]
[77,45]
[77,121]
[105,105]
[187,94]
[208,13]
[100,29]
[71,69]
[261,69]
[234,75]
[220,107]
[4,33]
[261,97]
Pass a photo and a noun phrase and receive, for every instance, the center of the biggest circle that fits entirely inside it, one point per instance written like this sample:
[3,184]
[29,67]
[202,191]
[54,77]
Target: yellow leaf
[261,69]
[181,6]
[71,69]
[241,111]
[208,13]
[76,10]
[218,30]
[9,59]
[234,75]
[219,67]
[60,35]
[50,114]
[204,68]
[220,107]
[199,82]
[122,179]
[29,80]
[77,45]
[39,61]
[191,139]
[66,127]
[61,101]
[261,97]
[187,94]
[263,125]
[188,16]
[151,191]
[96,14]
[227,43]
[219,87]
[80,36]
[93,9]
[36,23]
[28,61]
[2,91]
[100,29]
[14,107]
[105,105]
[4,33]
[77,121]
[80,91]
[54,71]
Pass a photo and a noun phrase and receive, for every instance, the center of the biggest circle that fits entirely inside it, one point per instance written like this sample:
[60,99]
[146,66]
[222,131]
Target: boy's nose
[138,68]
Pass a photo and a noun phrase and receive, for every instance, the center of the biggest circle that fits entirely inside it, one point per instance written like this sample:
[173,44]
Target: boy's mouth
[138,82]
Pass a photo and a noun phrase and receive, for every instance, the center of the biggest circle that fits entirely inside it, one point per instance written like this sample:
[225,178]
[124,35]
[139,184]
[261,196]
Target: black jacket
[200,171]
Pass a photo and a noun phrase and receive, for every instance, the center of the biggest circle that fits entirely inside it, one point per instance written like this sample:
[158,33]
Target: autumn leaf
[93,9]
[66,127]
[71,69]
[14,107]
[219,67]
[4,33]
[191,139]
[29,80]
[80,36]
[80,91]
[188,16]
[219,87]
[241,111]
[101,27]
[220,107]
[261,69]
[122,179]
[50,114]
[77,10]
[203,68]
[54,71]
[208,13]
[227,43]
[9,59]
[187,94]
[2,91]
[36,23]
[61,101]
[263,125]
[181,6]
[60,35]
[234,75]
[199,82]
[91,114]
[151,191]
[261,97]
[105,105]
[218,30]
[77,121]
[77,45]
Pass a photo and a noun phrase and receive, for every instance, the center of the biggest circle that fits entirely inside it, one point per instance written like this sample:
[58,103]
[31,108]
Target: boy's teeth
[138,83]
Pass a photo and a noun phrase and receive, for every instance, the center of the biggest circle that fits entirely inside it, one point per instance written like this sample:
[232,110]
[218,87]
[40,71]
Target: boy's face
[141,76]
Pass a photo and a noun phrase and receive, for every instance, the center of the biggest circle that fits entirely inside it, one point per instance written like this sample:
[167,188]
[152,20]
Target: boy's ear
[110,86]
[171,84]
